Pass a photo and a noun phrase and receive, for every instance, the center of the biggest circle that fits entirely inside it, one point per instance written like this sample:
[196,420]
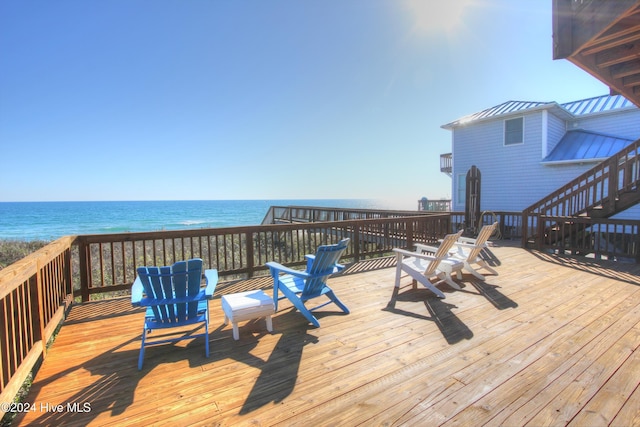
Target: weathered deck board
[549,341]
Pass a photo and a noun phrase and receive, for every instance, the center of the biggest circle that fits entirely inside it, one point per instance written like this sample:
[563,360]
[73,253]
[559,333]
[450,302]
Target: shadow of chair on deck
[490,292]
[279,373]
[489,257]
[114,388]
[440,312]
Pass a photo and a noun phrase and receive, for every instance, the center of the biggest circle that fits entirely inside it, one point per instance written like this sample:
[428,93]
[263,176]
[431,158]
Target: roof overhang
[552,107]
[603,38]
[569,162]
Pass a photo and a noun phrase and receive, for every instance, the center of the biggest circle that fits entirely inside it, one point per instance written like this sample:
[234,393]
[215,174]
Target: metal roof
[504,108]
[598,104]
[580,145]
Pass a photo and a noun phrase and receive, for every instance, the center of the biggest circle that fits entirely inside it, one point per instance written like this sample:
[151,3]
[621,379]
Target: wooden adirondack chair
[429,262]
[174,298]
[468,250]
[301,286]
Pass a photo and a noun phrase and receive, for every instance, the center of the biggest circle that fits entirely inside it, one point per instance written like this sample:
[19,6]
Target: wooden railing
[291,214]
[446,163]
[108,262]
[34,295]
[434,205]
[602,191]
[509,223]
[597,237]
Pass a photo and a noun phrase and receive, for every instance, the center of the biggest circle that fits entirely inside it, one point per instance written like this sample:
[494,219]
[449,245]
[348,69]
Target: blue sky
[260,99]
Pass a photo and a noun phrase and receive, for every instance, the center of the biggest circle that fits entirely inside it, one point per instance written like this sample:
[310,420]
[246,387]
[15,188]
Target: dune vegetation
[14,250]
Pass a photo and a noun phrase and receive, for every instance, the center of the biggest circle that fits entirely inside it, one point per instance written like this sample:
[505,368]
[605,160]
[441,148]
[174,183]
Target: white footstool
[246,306]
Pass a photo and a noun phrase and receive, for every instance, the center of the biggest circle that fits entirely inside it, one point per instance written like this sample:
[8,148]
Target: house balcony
[519,347]
[446,163]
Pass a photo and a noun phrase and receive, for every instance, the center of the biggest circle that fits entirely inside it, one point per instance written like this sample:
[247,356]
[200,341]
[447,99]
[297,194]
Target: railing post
[250,253]
[37,305]
[67,272]
[356,243]
[613,183]
[540,227]
[525,229]
[83,248]
[409,233]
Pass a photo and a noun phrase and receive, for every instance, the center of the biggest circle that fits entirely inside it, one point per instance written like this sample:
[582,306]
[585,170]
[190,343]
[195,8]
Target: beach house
[526,150]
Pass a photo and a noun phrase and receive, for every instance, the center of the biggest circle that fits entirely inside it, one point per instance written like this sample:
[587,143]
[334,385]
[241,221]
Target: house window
[462,189]
[514,131]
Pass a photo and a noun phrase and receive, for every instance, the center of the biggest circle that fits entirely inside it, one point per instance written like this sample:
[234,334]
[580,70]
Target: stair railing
[594,192]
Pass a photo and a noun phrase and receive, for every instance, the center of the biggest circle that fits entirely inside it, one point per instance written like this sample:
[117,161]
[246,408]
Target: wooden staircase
[605,190]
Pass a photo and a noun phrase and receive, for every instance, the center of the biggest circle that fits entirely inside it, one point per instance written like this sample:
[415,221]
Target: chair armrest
[427,248]
[211,276]
[310,258]
[277,268]
[468,240]
[136,292]
[467,245]
[401,252]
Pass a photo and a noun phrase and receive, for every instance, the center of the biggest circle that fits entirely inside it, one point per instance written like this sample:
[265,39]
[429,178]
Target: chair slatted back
[324,264]
[442,252]
[482,238]
[163,286]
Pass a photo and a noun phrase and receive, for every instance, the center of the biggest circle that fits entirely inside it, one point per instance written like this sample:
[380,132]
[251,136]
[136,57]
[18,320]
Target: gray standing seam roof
[598,104]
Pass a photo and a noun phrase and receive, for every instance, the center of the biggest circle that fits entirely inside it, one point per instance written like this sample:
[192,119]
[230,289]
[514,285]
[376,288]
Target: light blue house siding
[556,128]
[624,124]
[515,176]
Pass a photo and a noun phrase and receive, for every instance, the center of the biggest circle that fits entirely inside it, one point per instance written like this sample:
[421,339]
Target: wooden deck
[549,341]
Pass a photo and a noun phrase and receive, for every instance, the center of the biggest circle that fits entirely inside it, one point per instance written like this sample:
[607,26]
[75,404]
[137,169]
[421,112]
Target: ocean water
[51,220]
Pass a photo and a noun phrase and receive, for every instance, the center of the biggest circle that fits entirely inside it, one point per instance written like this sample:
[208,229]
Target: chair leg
[427,284]
[310,317]
[486,267]
[474,272]
[332,296]
[141,355]
[236,332]
[269,323]
[299,305]
[206,336]
[451,283]
[398,272]
[275,295]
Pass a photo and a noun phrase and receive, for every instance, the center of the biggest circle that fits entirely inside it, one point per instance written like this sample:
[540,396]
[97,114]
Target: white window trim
[504,132]
[545,133]
[460,198]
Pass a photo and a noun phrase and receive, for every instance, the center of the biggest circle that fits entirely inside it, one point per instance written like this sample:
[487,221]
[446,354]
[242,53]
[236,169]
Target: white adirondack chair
[428,262]
[468,251]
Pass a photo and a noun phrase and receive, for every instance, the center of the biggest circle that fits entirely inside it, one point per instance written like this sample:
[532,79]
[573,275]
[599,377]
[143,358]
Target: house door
[472,201]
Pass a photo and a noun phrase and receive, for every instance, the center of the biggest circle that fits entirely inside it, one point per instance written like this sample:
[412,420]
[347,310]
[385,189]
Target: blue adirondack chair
[174,298]
[301,286]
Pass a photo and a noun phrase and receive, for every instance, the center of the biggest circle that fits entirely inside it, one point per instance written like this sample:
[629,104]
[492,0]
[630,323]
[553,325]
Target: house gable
[514,176]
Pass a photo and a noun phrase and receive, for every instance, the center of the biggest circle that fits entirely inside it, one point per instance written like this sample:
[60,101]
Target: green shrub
[14,250]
